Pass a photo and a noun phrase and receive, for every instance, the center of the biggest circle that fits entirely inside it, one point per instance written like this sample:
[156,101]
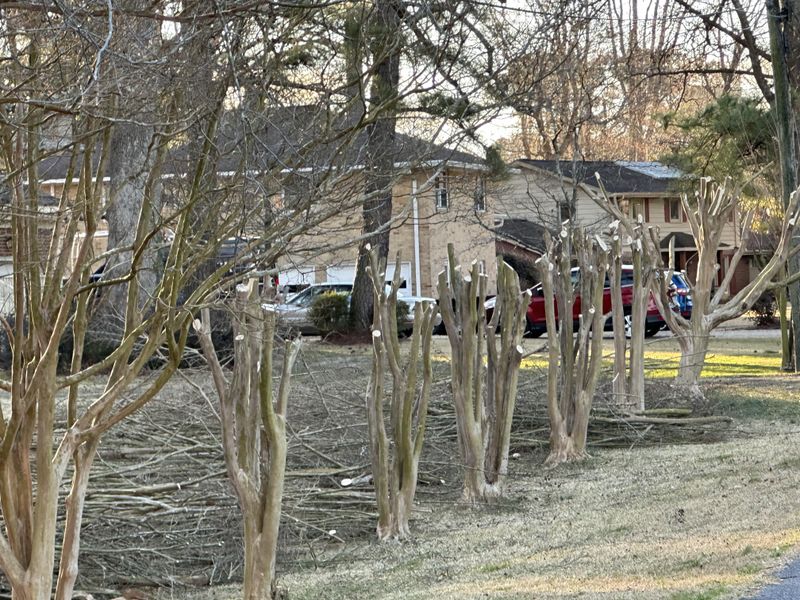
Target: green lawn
[662,364]
[753,355]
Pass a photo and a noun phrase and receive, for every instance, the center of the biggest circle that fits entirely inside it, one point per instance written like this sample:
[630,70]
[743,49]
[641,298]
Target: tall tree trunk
[253,420]
[571,383]
[784,35]
[694,348]
[395,460]
[131,162]
[483,419]
[385,47]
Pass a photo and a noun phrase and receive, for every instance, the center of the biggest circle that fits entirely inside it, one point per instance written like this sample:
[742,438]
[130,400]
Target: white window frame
[480,195]
[442,191]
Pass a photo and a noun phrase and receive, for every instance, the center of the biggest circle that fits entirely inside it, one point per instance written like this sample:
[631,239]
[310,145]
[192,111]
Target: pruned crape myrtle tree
[709,210]
[253,420]
[574,357]
[484,401]
[395,459]
[629,235]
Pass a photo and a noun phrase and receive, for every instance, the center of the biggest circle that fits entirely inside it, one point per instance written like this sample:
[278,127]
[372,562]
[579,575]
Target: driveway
[786,588]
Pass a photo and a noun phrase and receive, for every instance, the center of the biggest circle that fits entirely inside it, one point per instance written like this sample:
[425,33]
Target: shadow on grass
[760,399]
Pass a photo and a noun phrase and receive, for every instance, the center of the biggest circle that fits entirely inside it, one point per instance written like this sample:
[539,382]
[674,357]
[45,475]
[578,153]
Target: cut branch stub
[395,465]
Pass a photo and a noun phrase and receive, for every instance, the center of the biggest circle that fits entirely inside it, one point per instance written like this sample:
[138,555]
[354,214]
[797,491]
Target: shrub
[330,313]
[402,314]
[763,310]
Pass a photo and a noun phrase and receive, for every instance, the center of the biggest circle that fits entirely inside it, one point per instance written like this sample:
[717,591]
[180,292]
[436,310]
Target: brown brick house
[440,195]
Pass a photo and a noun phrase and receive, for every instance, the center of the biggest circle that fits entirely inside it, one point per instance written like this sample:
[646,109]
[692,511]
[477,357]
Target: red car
[536,317]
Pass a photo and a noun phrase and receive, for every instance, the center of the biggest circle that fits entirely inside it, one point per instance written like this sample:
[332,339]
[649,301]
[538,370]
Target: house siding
[658,211]
[532,194]
[470,232]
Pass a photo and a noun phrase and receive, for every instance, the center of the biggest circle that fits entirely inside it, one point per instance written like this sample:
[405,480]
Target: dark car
[653,324]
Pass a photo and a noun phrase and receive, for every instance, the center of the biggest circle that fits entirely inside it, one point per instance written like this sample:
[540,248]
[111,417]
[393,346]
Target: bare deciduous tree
[484,404]
[573,358]
[709,210]
[628,381]
[254,429]
[395,464]
[60,80]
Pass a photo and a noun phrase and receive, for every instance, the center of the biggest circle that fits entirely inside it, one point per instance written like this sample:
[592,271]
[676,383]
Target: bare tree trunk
[483,418]
[134,194]
[620,381]
[254,429]
[385,47]
[503,369]
[709,213]
[693,356]
[395,466]
[787,356]
[643,275]
[571,384]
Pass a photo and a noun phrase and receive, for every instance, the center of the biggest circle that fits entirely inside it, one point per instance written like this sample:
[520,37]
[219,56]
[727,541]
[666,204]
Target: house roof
[304,138]
[524,233]
[618,176]
[683,241]
[45,200]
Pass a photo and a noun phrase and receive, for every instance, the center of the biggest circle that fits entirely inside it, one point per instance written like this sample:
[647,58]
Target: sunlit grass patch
[765,401]
[660,364]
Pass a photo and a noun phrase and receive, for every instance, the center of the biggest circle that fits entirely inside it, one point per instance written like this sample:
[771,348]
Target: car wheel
[628,326]
[532,331]
[651,330]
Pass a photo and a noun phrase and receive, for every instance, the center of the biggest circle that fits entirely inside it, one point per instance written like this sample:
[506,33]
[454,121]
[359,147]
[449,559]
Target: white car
[294,313]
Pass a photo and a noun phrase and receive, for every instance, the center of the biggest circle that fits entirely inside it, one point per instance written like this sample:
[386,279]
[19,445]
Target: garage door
[347,273]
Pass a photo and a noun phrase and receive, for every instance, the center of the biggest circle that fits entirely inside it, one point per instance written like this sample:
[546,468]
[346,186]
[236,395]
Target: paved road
[788,588]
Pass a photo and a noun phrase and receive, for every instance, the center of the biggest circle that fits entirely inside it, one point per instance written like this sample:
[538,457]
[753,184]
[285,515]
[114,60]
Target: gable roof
[618,176]
[308,138]
[524,233]
[683,241]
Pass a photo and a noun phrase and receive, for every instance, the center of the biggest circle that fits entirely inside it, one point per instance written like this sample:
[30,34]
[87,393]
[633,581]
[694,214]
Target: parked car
[653,324]
[294,313]
[682,296]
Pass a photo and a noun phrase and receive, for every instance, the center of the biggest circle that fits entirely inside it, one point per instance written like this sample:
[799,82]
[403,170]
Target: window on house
[632,208]
[675,212]
[564,212]
[442,194]
[480,195]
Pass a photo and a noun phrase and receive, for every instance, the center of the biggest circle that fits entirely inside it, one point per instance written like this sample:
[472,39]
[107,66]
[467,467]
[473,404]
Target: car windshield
[306,297]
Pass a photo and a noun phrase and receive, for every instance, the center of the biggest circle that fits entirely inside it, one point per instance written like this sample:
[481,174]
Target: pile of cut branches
[160,510]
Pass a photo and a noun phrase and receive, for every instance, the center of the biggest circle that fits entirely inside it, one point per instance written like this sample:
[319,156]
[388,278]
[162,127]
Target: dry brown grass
[681,522]
[645,523]
[678,522]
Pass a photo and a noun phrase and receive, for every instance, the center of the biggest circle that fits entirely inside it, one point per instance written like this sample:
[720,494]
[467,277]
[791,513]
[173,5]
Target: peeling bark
[254,429]
[573,359]
[395,462]
[483,415]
